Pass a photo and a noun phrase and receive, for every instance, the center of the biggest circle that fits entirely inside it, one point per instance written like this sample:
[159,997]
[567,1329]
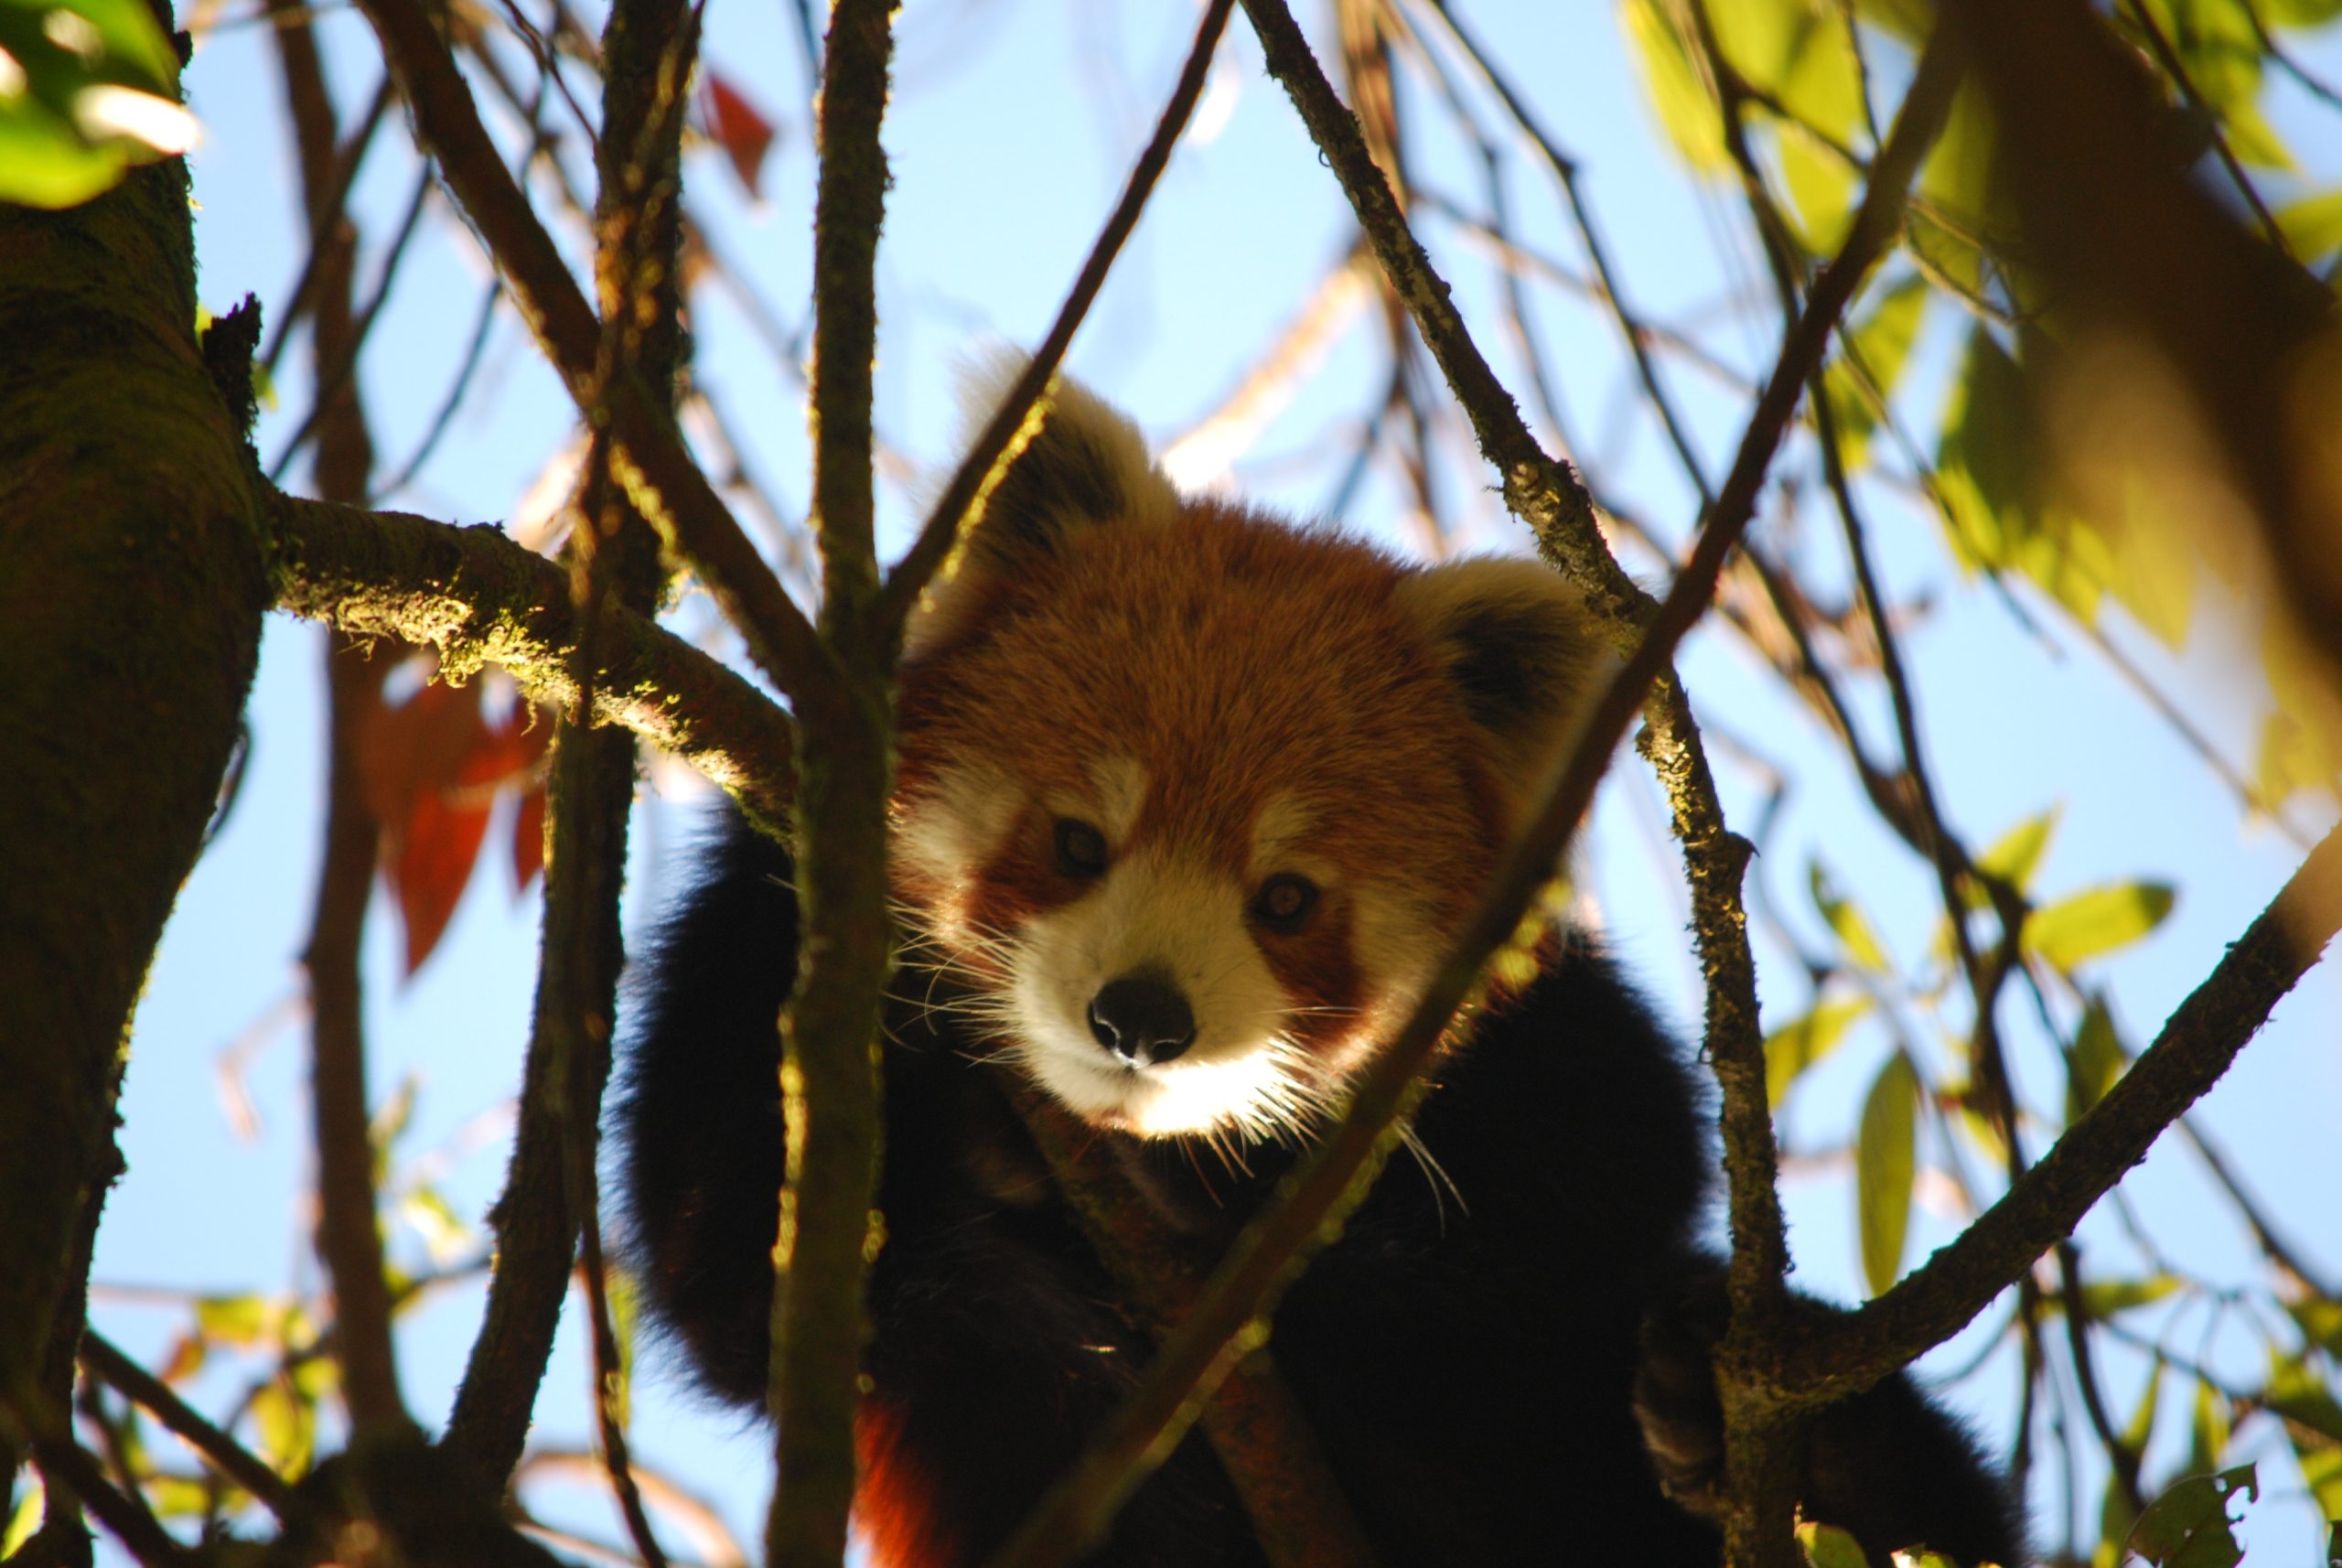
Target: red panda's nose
[1142,1018]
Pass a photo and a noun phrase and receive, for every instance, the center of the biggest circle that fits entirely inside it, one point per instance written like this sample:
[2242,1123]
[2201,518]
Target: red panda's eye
[1082,849]
[1284,901]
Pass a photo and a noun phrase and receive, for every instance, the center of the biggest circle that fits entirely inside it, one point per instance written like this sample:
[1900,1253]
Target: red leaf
[417,747]
[527,839]
[431,767]
[744,134]
[433,861]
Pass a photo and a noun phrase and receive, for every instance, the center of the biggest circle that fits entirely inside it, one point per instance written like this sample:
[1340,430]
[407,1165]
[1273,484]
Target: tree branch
[349,1228]
[658,470]
[1244,1289]
[223,1453]
[830,1028]
[1011,425]
[2202,1036]
[480,599]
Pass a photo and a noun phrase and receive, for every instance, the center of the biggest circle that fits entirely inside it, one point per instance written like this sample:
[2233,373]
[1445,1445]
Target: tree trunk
[133,576]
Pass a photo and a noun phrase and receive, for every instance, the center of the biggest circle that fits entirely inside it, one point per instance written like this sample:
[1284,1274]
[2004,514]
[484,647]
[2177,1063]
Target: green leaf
[1885,1165]
[1958,181]
[88,88]
[2189,1527]
[2142,1419]
[2320,1321]
[1827,1546]
[2313,226]
[2104,1298]
[2322,1474]
[1883,342]
[2253,139]
[1854,931]
[1820,190]
[2096,921]
[2299,12]
[2097,1060]
[242,1320]
[1678,96]
[2207,1428]
[1984,461]
[26,1519]
[2297,1392]
[1798,54]
[287,1421]
[2016,854]
[1804,1041]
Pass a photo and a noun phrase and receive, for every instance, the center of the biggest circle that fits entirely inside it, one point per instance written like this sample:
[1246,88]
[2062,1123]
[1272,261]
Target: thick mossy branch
[480,599]
[656,467]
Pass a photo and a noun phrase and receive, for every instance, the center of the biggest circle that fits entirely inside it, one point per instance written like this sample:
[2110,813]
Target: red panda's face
[1192,800]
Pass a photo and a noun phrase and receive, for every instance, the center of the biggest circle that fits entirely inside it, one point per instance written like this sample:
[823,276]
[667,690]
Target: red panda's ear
[1521,647]
[1086,468]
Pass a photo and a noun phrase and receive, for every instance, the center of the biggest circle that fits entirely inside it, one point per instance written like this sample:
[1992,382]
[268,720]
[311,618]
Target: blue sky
[1013,124]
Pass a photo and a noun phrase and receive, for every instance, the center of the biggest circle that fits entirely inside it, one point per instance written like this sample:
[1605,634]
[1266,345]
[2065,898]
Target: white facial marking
[1187,925]
[947,835]
[1279,829]
[1121,784]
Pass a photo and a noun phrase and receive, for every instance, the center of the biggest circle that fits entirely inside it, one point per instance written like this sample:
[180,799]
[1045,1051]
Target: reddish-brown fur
[1275,665]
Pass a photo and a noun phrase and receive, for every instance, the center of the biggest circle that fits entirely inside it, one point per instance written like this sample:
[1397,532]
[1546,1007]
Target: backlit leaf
[2313,226]
[1827,1546]
[2322,1474]
[744,133]
[1799,1044]
[1883,340]
[2104,1298]
[1820,190]
[27,1517]
[239,1320]
[1885,1165]
[2098,1059]
[288,1424]
[2296,1391]
[2207,1428]
[2097,920]
[1853,928]
[2016,854]
[2320,1322]
[1677,95]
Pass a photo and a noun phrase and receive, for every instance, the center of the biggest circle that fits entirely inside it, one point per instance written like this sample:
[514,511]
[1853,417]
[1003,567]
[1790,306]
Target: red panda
[1189,800]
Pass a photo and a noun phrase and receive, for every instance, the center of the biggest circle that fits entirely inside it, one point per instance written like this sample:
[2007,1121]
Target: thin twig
[348,1230]
[347,159]
[1010,425]
[70,1468]
[444,420]
[225,1455]
[2195,1048]
[2168,58]
[1244,1289]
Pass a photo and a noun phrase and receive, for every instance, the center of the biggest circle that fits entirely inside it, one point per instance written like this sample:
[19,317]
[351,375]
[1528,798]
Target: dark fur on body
[1467,1352]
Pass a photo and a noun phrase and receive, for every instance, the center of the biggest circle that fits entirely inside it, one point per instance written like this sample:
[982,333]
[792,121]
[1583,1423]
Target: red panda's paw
[1676,1402]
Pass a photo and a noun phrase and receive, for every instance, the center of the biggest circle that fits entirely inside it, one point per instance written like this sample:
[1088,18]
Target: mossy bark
[130,615]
